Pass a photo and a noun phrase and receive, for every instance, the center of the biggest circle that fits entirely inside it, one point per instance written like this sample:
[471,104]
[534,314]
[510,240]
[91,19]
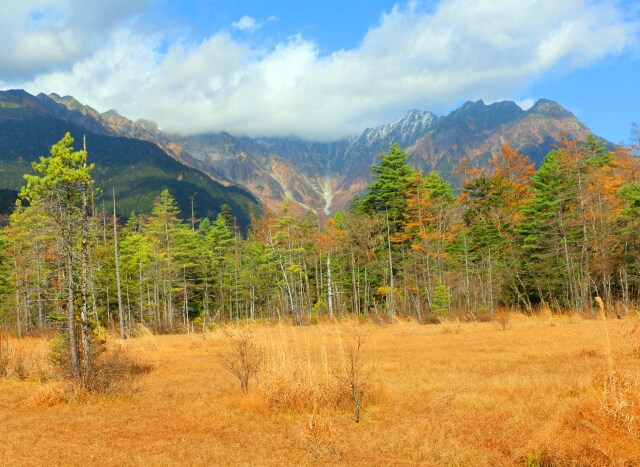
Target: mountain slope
[137,169]
[476,131]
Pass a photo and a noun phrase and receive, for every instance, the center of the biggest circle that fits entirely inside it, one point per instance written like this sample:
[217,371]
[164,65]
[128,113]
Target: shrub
[243,357]
[112,368]
[353,378]
[289,383]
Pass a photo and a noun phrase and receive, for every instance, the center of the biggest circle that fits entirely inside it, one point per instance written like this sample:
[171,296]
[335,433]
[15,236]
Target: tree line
[555,237]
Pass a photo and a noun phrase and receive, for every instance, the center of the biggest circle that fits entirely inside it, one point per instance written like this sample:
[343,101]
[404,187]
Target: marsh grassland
[538,391]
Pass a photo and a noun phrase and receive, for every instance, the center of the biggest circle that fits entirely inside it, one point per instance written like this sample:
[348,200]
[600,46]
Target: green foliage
[630,192]
[441,299]
[410,246]
[545,228]
[627,224]
[596,152]
[438,188]
[388,193]
[64,172]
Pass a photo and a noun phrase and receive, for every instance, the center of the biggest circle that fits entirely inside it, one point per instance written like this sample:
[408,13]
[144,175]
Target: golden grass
[24,359]
[545,391]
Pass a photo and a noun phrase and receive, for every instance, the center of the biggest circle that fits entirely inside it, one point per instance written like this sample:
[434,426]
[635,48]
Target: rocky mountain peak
[147,125]
[416,121]
[15,94]
[479,116]
[404,131]
[470,105]
[549,109]
[69,102]
[112,113]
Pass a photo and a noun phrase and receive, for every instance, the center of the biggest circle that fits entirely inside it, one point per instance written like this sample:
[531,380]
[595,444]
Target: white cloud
[526,104]
[250,24]
[40,36]
[462,49]
[246,23]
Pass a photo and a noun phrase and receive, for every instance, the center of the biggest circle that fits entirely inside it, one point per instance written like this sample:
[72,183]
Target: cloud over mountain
[418,55]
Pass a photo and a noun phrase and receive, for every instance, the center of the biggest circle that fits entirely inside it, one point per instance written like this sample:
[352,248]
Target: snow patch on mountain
[413,124]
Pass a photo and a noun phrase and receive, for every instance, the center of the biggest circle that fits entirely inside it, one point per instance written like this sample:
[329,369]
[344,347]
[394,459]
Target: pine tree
[387,194]
[62,187]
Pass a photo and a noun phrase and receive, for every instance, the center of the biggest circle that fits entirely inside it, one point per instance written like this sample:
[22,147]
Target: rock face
[318,176]
[326,176]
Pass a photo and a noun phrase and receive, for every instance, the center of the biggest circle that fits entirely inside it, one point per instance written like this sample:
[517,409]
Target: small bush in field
[290,382]
[114,370]
[242,358]
[353,377]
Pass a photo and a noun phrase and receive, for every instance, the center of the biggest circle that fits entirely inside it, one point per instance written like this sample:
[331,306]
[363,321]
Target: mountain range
[326,176]
[319,176]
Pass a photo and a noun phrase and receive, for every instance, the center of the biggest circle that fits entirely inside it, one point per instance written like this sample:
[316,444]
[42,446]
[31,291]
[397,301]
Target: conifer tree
[387,194]
[161,228]
[62,187]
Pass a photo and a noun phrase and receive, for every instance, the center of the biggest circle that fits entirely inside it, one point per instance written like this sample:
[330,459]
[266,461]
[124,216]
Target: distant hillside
[138,169]
[8,198]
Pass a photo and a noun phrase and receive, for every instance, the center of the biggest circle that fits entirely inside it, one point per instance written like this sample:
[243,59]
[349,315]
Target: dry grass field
[545,391]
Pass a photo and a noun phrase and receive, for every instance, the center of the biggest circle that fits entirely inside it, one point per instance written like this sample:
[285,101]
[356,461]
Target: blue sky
[332,24]
[324,70]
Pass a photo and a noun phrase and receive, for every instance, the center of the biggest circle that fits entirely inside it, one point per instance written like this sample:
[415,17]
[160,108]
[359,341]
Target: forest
[513,237]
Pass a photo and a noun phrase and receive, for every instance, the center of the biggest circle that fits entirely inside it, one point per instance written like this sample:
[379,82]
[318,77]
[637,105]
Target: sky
[325,70]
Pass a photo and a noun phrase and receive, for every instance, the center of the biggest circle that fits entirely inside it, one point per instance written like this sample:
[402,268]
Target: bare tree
[353,376]
[243,358]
